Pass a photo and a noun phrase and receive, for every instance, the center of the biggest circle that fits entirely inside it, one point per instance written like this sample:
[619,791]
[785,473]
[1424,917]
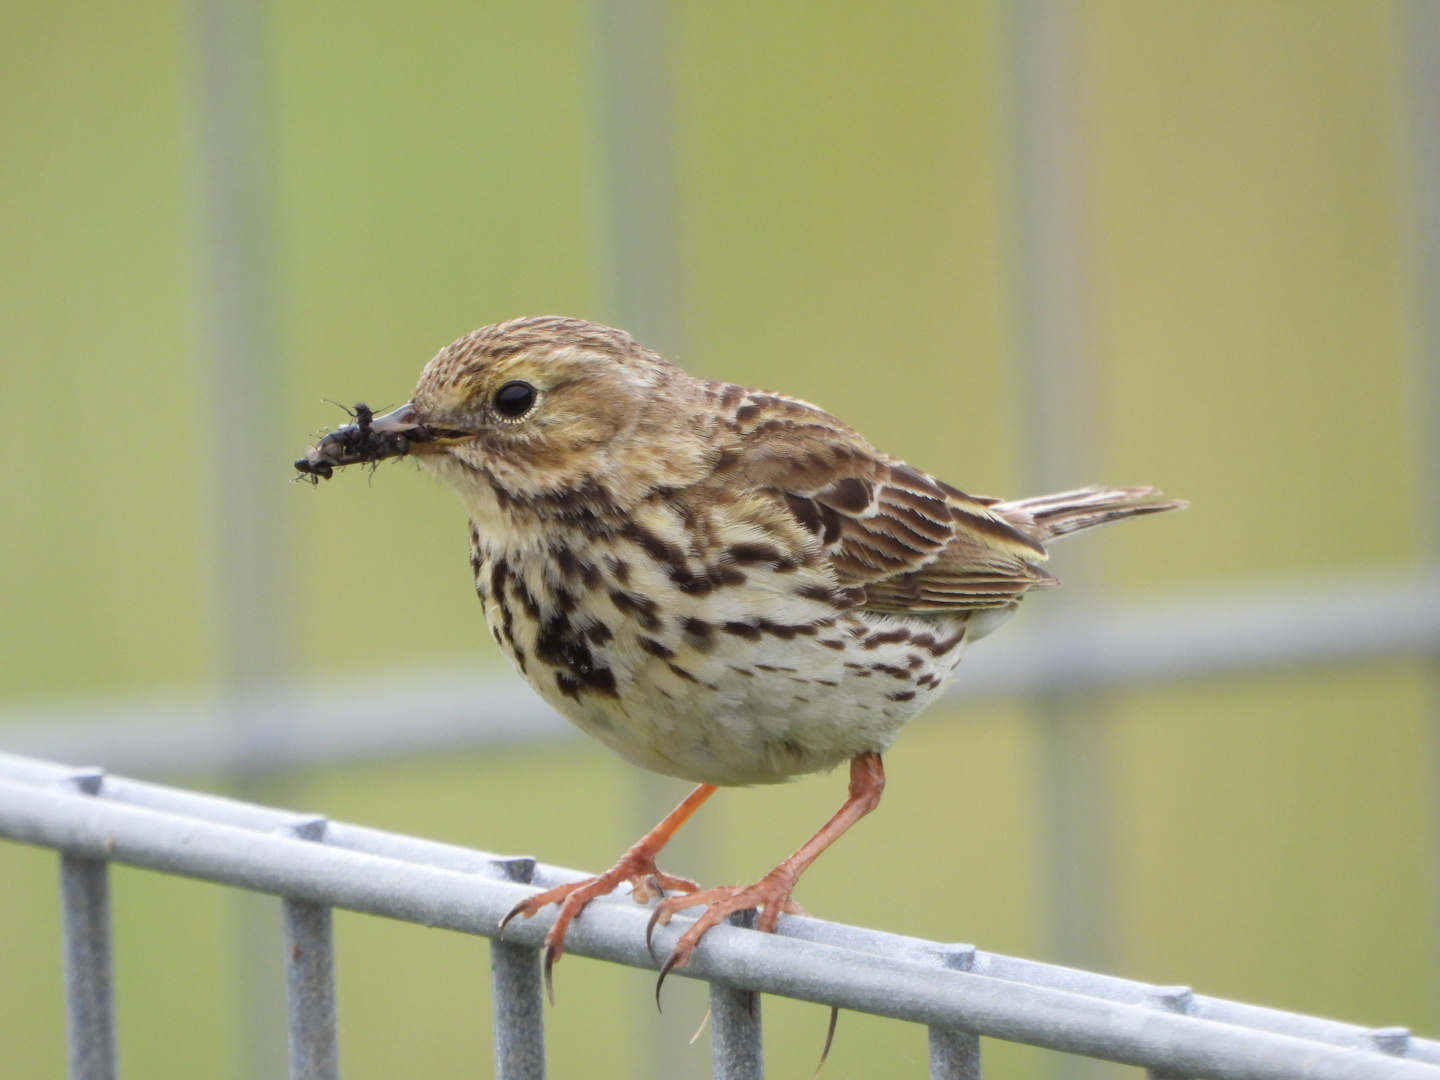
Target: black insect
[363,415]
[355,443]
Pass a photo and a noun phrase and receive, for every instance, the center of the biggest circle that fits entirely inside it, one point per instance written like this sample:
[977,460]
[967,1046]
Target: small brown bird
[720,584]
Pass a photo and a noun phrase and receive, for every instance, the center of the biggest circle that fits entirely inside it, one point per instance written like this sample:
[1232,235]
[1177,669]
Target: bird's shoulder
[898,537]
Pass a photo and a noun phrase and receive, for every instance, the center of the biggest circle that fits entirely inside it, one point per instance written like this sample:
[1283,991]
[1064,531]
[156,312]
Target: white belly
[765,711]
[751,683]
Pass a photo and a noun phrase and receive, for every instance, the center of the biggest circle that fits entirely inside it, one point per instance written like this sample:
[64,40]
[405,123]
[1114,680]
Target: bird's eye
[514,399]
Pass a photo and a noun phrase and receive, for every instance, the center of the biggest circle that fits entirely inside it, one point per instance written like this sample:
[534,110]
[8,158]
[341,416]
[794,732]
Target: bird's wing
[898,539]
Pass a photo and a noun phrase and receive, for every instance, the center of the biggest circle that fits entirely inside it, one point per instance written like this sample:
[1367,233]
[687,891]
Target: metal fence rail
[960,993]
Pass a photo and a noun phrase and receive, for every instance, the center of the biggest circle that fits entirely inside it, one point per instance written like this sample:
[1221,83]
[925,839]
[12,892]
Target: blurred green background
[845,211]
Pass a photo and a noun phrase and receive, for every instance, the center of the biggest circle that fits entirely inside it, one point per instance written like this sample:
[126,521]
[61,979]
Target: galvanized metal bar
[736,1045]
[1049,256]
[310,991]
[309,939]
[1073,779]
[238,369]
[885,986]
[239,363]
[516,992]
[518,1004]
[1054,354]
[635,100]
[89,977]
[1422,84]
[89,965]
[1421,105]
[954,1055]
[244,815]
[416,851]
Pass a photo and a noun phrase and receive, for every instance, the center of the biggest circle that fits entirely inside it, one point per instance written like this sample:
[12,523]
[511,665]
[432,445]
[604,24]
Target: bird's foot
[771,894]
[636,866]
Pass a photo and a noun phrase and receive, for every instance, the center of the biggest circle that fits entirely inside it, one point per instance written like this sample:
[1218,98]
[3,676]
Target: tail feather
[1046,517]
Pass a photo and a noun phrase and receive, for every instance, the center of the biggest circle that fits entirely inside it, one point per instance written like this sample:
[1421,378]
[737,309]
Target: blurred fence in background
[1023,245]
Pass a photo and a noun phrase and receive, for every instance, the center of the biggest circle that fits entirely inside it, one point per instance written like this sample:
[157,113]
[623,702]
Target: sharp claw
[664,970]
[510,915]
[650,933]
[659,889]
[829,1038]
[551,955]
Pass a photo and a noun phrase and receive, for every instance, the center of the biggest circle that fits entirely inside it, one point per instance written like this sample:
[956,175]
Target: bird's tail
[1045,517]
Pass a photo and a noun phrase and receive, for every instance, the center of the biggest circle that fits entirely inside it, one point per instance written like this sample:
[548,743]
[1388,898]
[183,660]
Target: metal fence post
[735,1039]
[519,1011]
[736,1043]
[517,996]
[310,978]
[1100,1017]
[955,1055]
[89,969]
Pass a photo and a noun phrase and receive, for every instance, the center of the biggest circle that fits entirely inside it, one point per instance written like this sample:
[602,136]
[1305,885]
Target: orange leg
[772,892]
[636,866]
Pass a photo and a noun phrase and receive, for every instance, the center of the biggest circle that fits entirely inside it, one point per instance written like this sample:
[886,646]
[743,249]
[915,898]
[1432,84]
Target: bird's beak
[370,438]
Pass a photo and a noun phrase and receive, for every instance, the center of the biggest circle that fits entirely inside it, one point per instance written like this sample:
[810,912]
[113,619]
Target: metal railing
[315,865]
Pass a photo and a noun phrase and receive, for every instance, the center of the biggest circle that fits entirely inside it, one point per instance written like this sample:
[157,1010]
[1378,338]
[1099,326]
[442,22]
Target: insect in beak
[370,438]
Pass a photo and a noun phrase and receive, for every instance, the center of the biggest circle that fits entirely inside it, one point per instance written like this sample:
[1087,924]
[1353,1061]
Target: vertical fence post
[735,1038]
[519,1011]
[955,1055]
[517,996]
[89,970]
[310,978]
[1422,83]
[736,1043]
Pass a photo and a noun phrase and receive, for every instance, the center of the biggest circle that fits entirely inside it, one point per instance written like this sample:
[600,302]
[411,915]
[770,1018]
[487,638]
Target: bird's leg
[772,892]
[636,866]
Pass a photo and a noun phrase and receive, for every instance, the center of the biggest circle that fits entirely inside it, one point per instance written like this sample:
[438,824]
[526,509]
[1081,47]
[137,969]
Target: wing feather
[910,542]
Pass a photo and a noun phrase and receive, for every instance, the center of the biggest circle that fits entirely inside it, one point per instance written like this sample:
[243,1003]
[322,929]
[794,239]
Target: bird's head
[536,408]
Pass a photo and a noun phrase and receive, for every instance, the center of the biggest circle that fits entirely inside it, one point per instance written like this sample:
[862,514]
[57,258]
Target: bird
[725,585]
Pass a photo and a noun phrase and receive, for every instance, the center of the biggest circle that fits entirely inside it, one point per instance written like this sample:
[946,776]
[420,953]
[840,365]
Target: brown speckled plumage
[721,584]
